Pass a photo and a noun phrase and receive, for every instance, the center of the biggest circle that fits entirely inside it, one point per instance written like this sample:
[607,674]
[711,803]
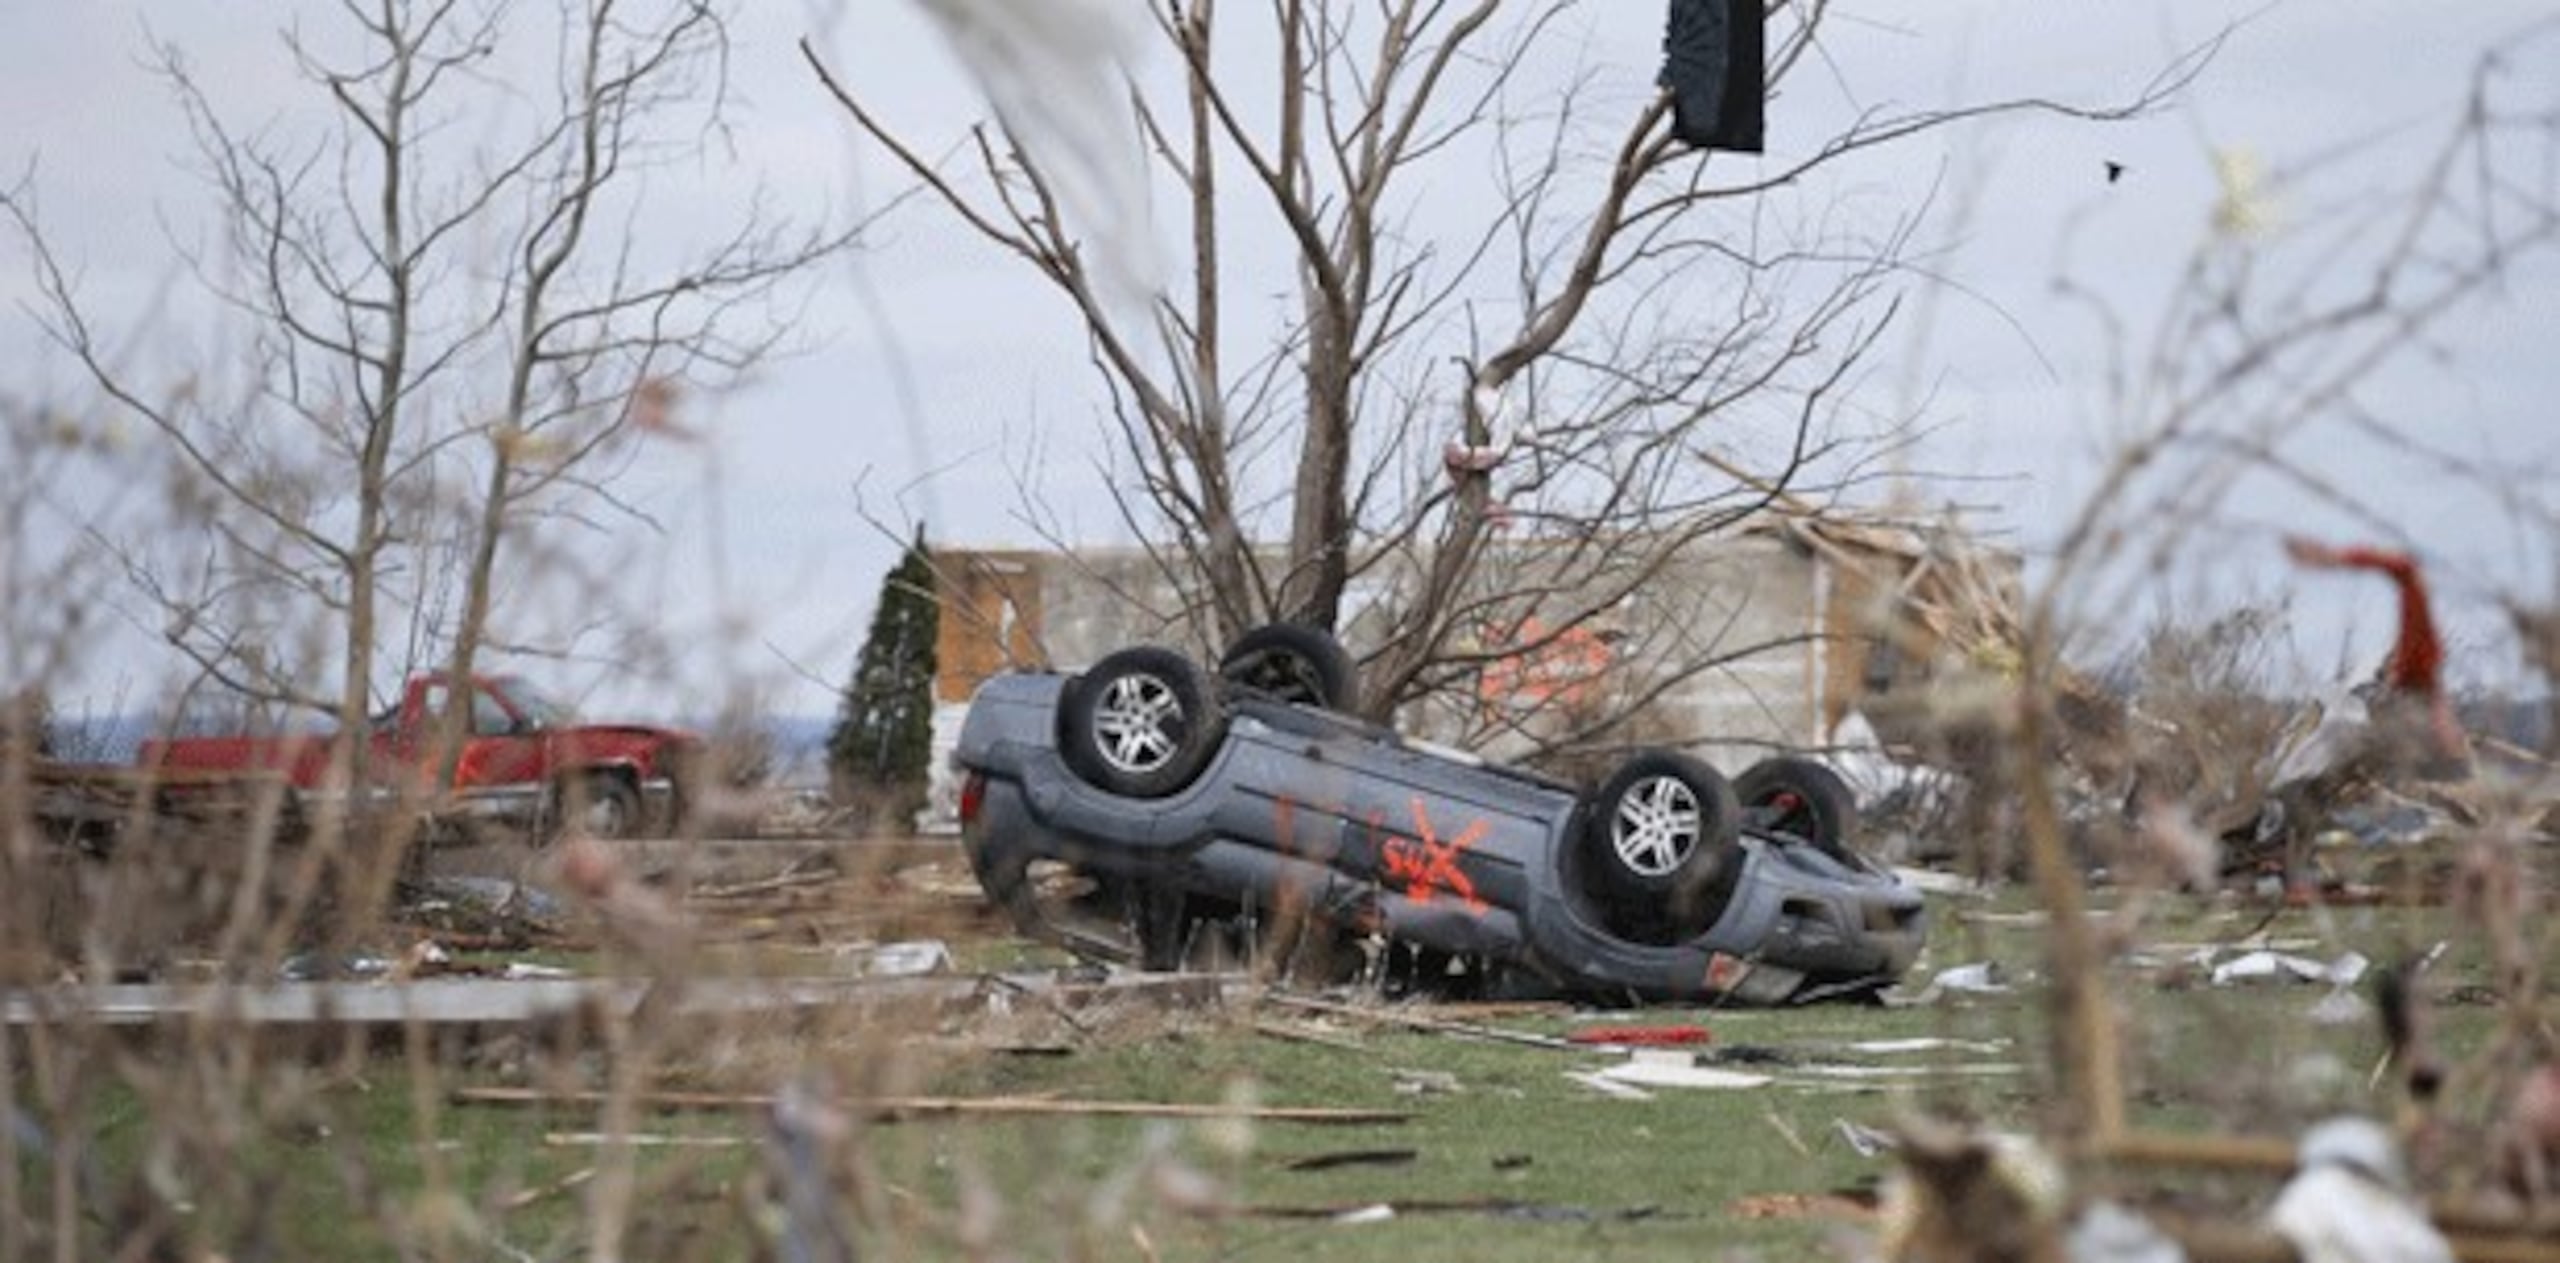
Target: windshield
[532,705]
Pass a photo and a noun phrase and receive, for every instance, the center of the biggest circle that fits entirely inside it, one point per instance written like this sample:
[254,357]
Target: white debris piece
[1857,752]
[1671,1068]
[2351,1203]
[1866,1141]
[2256,966]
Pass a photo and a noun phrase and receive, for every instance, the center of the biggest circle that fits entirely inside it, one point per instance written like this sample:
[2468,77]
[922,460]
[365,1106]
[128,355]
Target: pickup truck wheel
[1291,662]
[1663,837]
[1803,799]
[599,807]
[1142,723]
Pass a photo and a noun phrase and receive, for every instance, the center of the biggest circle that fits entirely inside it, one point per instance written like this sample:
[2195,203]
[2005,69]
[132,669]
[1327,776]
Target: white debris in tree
[1057,73]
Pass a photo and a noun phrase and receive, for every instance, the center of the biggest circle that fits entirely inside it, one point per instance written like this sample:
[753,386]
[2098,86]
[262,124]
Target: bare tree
[449,326]
[1623,352]
[449,323]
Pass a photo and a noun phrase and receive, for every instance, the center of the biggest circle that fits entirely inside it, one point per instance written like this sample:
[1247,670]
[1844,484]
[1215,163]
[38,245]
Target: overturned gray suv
[1165,799]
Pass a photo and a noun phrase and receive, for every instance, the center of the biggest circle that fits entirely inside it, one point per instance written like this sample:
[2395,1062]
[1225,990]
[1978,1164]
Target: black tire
[1801,798]
[1293,663]
[1142,723]
[600,806]
[1663,840]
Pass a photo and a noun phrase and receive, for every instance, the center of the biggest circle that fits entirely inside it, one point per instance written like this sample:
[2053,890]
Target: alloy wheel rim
[1657,825]
[1138,725]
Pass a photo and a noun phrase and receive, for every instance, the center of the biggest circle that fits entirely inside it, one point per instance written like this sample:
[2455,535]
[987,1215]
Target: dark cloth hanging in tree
[1714,61]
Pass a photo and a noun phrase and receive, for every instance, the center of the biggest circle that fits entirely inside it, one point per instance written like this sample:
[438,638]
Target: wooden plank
[488,1001]
[894,1107]
[1415,1021]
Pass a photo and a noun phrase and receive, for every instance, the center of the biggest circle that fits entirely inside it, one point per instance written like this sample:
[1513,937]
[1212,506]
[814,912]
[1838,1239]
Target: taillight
[973,795]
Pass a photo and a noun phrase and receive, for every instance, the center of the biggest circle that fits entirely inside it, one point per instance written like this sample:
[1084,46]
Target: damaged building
[1767,637]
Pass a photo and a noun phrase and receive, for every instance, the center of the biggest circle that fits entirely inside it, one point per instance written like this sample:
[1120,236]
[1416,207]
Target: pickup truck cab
[525,762]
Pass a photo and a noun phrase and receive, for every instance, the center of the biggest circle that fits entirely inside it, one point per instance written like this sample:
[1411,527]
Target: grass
[340,1156]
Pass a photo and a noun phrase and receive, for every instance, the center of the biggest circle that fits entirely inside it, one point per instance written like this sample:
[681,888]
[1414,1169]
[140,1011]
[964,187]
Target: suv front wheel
[1663,841]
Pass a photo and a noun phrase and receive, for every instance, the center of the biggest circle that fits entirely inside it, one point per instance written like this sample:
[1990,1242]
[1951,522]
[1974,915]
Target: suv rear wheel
[1804,799]
[1142,723]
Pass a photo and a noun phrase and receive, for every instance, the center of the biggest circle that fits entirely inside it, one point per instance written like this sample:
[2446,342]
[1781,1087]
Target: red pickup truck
[525,762]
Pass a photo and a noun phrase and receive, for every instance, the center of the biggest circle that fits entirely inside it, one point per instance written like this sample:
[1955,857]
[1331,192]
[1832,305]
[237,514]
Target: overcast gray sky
[766,565]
